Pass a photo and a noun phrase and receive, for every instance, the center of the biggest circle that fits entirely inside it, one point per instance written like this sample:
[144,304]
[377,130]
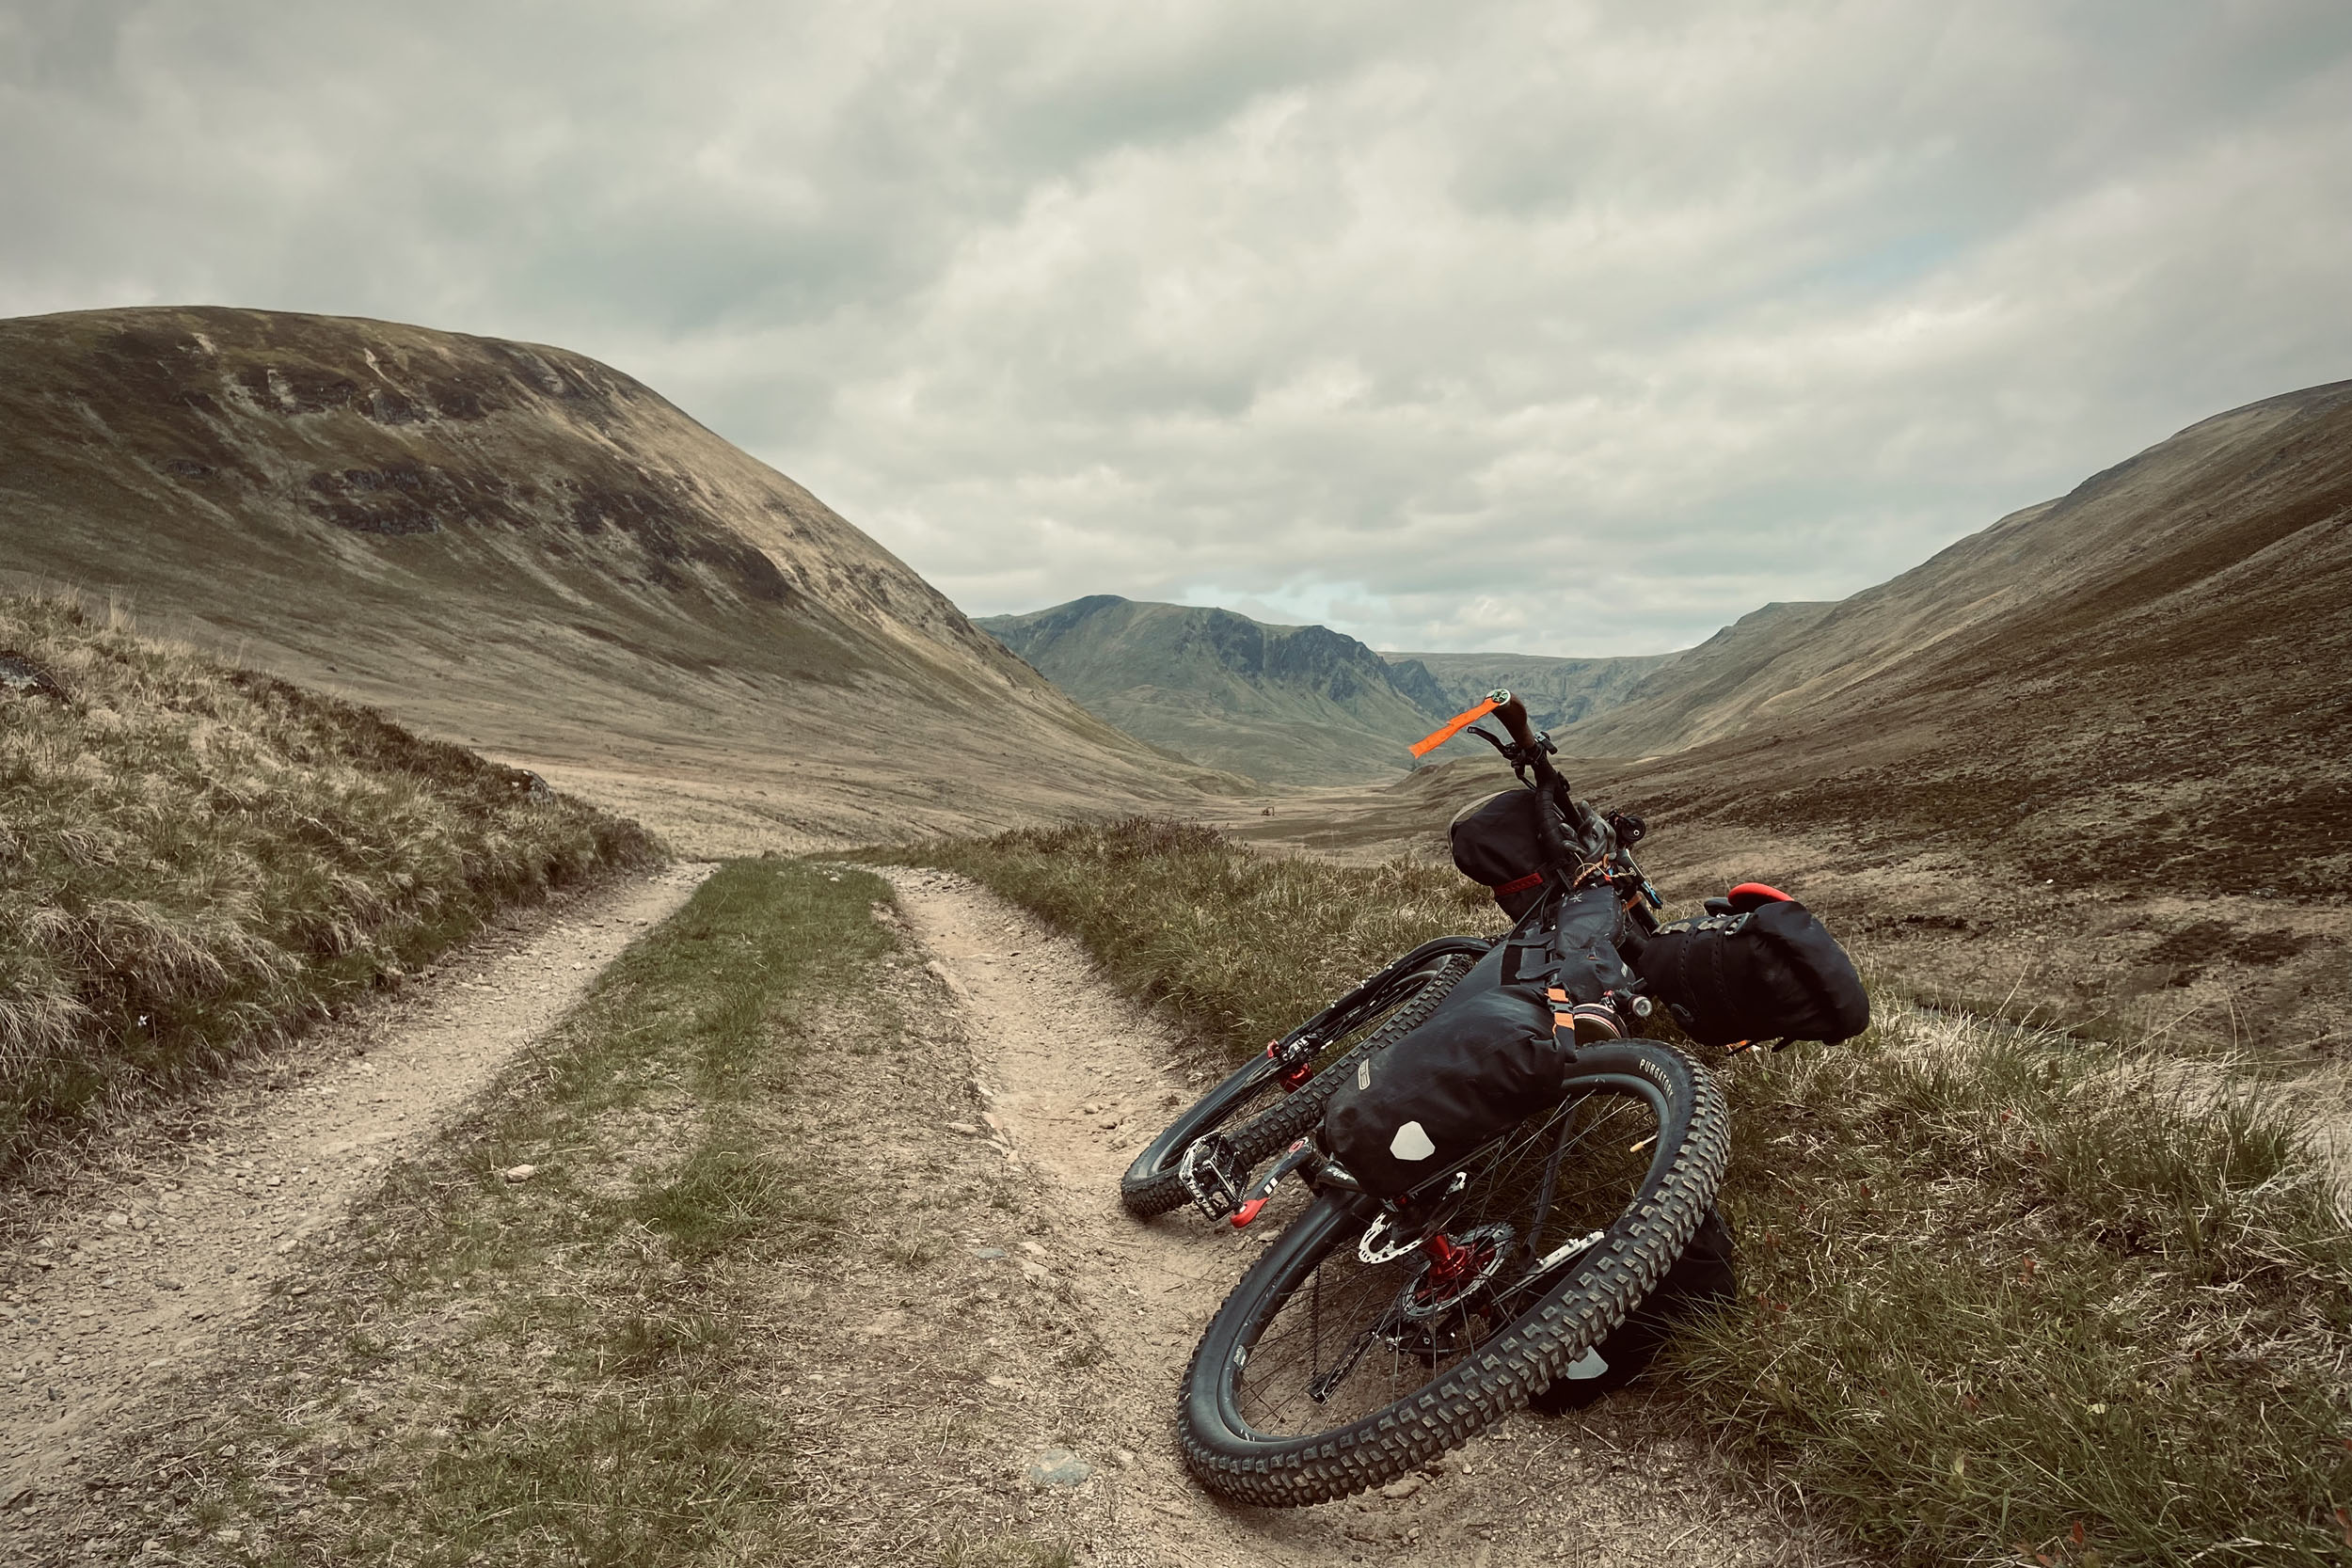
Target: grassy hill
[195,859]
[1287,705]
[519,547]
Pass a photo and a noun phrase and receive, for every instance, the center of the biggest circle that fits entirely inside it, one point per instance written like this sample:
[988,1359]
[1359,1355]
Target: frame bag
[1766,970]
[1491,1055]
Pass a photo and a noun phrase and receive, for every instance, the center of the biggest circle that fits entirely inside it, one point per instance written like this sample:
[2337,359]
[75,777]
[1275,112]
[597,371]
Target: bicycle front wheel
[1341,1362]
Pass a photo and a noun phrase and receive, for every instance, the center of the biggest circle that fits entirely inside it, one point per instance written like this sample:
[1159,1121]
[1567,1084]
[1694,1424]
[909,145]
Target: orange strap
[1453,726]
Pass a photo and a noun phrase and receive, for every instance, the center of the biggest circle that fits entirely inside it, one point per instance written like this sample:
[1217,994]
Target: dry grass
[2008,1297]
[195,858]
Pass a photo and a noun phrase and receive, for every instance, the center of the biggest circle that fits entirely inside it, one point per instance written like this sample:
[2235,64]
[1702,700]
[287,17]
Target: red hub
[1290,1078]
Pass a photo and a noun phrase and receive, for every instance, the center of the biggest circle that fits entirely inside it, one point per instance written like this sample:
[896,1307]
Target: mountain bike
[1376,1333]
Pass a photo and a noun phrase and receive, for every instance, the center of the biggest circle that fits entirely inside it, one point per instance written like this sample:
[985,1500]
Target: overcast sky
[1560,329]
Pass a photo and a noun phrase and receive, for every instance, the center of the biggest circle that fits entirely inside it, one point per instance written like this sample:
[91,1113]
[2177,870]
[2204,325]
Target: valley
[803,1196]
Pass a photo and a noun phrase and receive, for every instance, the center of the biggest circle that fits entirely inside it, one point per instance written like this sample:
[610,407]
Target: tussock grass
[2007,1297]
[195,858]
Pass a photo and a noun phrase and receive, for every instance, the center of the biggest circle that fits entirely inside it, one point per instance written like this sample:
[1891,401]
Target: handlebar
[1513,713]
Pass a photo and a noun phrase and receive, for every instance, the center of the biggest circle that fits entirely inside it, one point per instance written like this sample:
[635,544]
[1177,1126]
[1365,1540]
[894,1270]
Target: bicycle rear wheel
[1340,1361]
[1258,1116]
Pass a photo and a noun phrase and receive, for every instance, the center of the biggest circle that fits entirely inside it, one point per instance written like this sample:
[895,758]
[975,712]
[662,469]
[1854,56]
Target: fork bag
[1485,1060]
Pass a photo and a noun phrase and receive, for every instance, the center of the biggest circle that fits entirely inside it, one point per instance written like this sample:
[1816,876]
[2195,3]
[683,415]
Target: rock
[1403,1487]
[518,1174]
[1124,1458]
[964,1129]
[117,1221]
[228,1537]
[988,1254]
[1057,1468]
[1033,1249]
[19,674]
[995,1125]
[1037,1271]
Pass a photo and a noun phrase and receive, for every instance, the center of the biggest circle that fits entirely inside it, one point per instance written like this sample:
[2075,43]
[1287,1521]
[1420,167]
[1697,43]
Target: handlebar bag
[1497,840]
[1769,971]
[1485,1060]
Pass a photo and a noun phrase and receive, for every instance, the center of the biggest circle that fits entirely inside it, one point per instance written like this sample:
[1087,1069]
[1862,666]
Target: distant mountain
[519,547]
[1287,705]
[1558,691]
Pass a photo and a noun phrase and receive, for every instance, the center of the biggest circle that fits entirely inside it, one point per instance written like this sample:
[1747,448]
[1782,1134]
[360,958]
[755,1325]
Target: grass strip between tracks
[723,1318]
[2006,1297]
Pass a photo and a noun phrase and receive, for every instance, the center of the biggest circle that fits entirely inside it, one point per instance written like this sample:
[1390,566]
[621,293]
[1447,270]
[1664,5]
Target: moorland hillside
[1285,705]
[2095,758]
[519,547]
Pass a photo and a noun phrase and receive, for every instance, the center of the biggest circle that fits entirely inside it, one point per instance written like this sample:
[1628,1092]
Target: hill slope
[2142,682]
[2095,759]
[2225,522]
[1289,705]
[520,548]
[1558,691]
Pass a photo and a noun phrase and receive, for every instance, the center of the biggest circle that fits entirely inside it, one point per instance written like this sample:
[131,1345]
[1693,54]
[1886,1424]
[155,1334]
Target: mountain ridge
[516,545]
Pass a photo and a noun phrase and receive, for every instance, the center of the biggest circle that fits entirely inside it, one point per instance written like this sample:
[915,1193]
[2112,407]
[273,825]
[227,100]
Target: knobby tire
[1538,1328]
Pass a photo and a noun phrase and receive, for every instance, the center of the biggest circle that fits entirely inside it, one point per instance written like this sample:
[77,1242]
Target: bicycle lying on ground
[1376,1332]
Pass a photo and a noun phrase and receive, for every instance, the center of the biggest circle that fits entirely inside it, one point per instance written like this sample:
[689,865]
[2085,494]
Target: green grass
[196,860]
[2004,1292]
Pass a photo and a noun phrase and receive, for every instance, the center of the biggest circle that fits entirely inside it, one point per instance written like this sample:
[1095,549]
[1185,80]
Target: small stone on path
[1058,1468]
[1403,1487]
[521,1173]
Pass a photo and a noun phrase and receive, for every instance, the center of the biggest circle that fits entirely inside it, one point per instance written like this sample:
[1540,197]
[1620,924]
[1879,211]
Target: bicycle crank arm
[1298,1156]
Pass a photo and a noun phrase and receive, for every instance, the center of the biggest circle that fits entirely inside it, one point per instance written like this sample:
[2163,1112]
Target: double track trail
[154,1260]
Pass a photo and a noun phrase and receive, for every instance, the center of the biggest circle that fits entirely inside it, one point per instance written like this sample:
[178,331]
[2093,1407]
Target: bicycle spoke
[1341,1345]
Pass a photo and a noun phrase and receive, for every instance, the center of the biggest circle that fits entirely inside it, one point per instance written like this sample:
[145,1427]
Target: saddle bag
[1493,1054]
[1763,968]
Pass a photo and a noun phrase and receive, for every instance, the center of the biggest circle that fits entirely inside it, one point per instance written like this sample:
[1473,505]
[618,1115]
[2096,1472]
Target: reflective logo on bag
[1363,1075]
[1412,1142]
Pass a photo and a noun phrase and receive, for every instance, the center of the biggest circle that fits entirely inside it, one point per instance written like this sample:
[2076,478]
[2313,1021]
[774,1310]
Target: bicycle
[1376,1332]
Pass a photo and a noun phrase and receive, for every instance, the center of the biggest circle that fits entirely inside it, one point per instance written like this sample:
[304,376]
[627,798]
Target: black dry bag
[1764,969]
[1488,1058]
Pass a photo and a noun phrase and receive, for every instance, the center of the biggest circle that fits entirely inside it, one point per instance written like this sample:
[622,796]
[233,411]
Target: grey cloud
[1564,327]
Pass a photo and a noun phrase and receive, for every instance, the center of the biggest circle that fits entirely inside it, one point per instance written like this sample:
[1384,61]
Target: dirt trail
[144,1275]
[1081,1080]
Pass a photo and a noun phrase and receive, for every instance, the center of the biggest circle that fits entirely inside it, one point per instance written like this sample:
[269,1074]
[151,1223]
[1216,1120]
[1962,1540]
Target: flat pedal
[1213,1176]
